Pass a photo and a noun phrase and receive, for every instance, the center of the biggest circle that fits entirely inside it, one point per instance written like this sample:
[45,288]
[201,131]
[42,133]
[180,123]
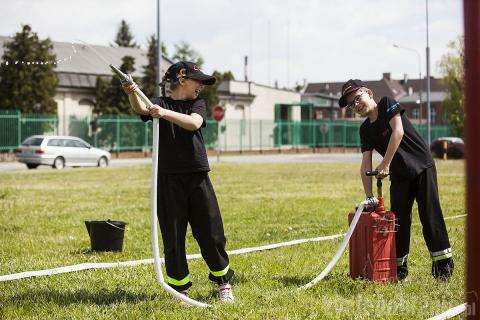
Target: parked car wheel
[58,163]
[455,147]
[103,162]
[32,165]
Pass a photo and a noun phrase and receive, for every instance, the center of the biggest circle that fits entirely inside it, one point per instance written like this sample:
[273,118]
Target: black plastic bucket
[106,235]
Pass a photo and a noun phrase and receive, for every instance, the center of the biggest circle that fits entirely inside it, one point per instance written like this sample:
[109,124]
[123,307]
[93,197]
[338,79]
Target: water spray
[8,63]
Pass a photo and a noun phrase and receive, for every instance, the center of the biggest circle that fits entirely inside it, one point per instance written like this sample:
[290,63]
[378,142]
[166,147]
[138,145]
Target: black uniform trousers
[424,189]
[190,198]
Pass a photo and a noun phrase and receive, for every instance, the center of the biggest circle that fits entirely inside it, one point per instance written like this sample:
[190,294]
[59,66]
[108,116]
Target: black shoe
[442,269]
[402,271]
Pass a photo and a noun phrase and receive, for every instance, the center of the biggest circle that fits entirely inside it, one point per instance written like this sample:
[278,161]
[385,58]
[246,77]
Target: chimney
[386,76]
[246,68]
[405,78]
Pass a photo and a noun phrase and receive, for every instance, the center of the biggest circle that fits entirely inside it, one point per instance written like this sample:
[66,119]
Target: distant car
[455,147]
[60,151]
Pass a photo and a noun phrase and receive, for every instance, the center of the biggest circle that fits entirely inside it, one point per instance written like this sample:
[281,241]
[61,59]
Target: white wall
[68,104]
[249,123]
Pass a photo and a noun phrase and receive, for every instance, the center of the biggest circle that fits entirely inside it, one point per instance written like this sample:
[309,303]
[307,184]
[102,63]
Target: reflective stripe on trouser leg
[402,260]
[442,254]
[178,283]
[220,273]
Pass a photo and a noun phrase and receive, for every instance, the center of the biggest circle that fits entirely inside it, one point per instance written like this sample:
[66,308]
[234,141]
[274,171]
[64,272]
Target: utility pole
[429,120]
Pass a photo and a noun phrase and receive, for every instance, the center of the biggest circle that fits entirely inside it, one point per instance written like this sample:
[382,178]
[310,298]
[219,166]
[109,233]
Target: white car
[60,151]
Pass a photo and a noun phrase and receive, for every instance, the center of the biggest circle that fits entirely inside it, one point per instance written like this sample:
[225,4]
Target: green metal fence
[16,127]
[129,133]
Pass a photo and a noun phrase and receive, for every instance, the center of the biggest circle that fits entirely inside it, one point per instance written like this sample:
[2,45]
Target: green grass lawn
[42,216]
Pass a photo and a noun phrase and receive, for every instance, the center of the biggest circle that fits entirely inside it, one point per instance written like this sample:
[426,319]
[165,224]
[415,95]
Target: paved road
[280,158]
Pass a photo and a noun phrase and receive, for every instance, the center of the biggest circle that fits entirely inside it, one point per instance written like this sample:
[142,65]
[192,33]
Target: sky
[287,41]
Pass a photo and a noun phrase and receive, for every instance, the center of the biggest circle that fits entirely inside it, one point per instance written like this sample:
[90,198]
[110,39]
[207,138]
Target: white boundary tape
[450,313]
[87,266]
[455,217]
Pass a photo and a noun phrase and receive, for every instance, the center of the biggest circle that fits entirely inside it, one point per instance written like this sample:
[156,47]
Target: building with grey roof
[78,65]
[406,91]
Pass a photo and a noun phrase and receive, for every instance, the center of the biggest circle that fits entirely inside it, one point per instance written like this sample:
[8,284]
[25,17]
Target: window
[415,113]
[79,144]
[68,143]
[32,142]
[335,115]
[54,143]
[86,102]
[433,115]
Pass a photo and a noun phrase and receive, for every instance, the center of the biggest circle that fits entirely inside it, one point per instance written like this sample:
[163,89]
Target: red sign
[218,112]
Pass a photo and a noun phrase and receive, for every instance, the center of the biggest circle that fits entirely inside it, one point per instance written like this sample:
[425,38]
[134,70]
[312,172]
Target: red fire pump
[372,245]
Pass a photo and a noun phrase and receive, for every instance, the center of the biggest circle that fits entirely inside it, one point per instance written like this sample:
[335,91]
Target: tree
[149,80]
[124,37]
[209,93]
[452,69]
[183,52]
[119,100]
[110,97]
[102,104]
[28,83]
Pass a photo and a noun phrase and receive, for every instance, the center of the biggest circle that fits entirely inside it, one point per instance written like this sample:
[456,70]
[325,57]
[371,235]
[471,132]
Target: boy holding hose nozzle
[413,175]
[185,192]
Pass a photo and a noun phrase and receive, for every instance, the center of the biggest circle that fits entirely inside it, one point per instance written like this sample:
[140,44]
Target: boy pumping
[407,159]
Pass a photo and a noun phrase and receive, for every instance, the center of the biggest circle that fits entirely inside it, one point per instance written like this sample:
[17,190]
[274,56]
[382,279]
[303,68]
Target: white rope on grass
[133,263]
[99,265]
[455,217]
[450,313]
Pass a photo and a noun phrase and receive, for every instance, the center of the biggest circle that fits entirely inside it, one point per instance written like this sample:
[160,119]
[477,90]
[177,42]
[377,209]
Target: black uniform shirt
[412,156]
[180,150]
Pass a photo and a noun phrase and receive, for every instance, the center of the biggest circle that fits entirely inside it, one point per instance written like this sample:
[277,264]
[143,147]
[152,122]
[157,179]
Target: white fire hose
[124,79]
[341,248]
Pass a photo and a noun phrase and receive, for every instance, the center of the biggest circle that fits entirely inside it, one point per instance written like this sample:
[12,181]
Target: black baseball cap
[185,69]
[349,87]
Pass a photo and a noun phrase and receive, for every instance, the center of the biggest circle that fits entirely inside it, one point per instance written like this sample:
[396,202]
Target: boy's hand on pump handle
[155,111]
[383,170]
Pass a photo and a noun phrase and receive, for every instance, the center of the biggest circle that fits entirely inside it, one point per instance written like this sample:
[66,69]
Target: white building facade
[249,122]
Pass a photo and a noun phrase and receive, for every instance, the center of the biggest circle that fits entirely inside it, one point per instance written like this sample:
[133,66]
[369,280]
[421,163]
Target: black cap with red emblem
[190,70]
[349,87]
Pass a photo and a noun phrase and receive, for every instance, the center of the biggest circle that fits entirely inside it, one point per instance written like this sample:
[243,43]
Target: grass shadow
[64,298]
[289,281]
[82,251]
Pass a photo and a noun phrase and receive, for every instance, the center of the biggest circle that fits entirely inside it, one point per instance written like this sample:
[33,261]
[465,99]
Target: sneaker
[225,293]
[402,272]
[184,293]
[443,269]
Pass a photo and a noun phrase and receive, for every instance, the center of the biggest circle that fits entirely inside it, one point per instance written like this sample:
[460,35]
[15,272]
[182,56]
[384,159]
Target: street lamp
[419,74]
[428,83]
[159,52]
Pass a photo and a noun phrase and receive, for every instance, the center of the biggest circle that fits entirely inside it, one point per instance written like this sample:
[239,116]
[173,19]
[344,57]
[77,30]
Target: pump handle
[373,173]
